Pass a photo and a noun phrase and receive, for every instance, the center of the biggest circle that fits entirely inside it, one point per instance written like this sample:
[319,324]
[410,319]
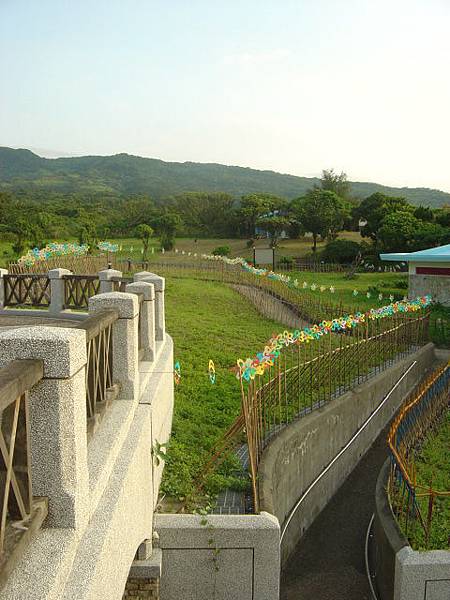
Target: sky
[295,86]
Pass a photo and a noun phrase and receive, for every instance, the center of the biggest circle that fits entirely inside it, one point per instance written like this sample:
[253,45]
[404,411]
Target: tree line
[387,223]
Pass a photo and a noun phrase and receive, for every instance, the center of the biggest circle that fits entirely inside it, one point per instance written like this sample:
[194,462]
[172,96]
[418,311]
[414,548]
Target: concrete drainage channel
[232,502]
[329,561]
[367,557]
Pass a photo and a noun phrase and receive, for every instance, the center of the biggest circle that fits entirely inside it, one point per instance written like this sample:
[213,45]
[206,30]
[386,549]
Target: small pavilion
[429,272]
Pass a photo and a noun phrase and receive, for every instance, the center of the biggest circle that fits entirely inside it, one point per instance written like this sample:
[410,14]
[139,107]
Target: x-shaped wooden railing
[20,514]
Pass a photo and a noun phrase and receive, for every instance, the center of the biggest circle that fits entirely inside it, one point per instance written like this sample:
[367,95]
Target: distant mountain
[123,174]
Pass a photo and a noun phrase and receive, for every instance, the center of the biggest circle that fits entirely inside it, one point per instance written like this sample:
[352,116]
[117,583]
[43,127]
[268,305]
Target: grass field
[207,321]
[387,284]
[132,247]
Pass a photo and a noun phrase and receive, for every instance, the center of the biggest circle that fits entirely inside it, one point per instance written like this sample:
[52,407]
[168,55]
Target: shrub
[341,251]
[222,251]
[286,260]
[167,242]
[374,290]
[401,284]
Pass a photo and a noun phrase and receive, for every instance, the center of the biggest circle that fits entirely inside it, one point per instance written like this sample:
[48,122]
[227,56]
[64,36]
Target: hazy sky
[294,86]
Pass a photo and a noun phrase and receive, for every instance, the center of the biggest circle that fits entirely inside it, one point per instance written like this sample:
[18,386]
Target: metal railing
[311,266]
[100,387]
[307,376]
[414,504]
[440,331]
[26,290]
[21,514]
[308,305]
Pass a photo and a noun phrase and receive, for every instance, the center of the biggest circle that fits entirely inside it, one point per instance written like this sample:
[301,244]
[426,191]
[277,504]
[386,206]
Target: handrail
[94,324]
[100,386]
[16,494]
[26,289]
[18,377]
[342,451]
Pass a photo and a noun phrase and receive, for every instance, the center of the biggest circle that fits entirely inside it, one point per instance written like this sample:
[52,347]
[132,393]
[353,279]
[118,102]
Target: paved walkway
[13,322]
[328,563]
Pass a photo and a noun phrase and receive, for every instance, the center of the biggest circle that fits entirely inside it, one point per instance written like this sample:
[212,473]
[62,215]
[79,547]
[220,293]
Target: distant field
[132,247]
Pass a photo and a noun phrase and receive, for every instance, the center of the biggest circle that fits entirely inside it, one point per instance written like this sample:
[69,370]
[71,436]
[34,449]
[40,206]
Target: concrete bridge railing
[102,402]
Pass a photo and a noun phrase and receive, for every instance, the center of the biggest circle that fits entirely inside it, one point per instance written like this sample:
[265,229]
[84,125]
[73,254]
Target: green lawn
[207,321]
[387,284]
[433,465]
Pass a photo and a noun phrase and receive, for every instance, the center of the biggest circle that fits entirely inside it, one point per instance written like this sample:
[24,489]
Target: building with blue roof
[429,272]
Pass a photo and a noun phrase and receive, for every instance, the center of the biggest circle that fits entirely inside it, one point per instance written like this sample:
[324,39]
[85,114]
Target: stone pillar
[159,284]
[125,339]
[106,283]
[57,290]
[147,316]
[57,418]
[2,287]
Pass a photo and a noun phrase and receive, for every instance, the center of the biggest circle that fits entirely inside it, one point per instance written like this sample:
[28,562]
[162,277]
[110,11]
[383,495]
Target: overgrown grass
[433,467]
[207,320]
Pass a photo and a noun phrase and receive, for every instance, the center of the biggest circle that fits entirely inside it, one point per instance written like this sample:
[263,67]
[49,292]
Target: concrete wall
[422,575]
[436,285]
[270,307]
[141,589]
[300,452]
[228,557]
[401,572]
[387,539]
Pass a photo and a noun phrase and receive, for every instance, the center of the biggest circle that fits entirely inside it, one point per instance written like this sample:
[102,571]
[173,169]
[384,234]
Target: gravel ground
[328,563]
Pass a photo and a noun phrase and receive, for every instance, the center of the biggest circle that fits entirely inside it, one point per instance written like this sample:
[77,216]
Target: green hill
[123,174]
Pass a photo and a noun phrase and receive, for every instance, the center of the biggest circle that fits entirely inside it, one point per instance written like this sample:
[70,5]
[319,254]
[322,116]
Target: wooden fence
[26,290]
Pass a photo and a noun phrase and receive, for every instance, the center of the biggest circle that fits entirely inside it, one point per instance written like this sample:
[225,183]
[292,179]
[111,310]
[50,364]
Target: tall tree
[396,230]
[320,212]
[274,226]
[205,213]
[255,206]
[144,232]
[166,226]
[376,208]
[424,213]
[336,182]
